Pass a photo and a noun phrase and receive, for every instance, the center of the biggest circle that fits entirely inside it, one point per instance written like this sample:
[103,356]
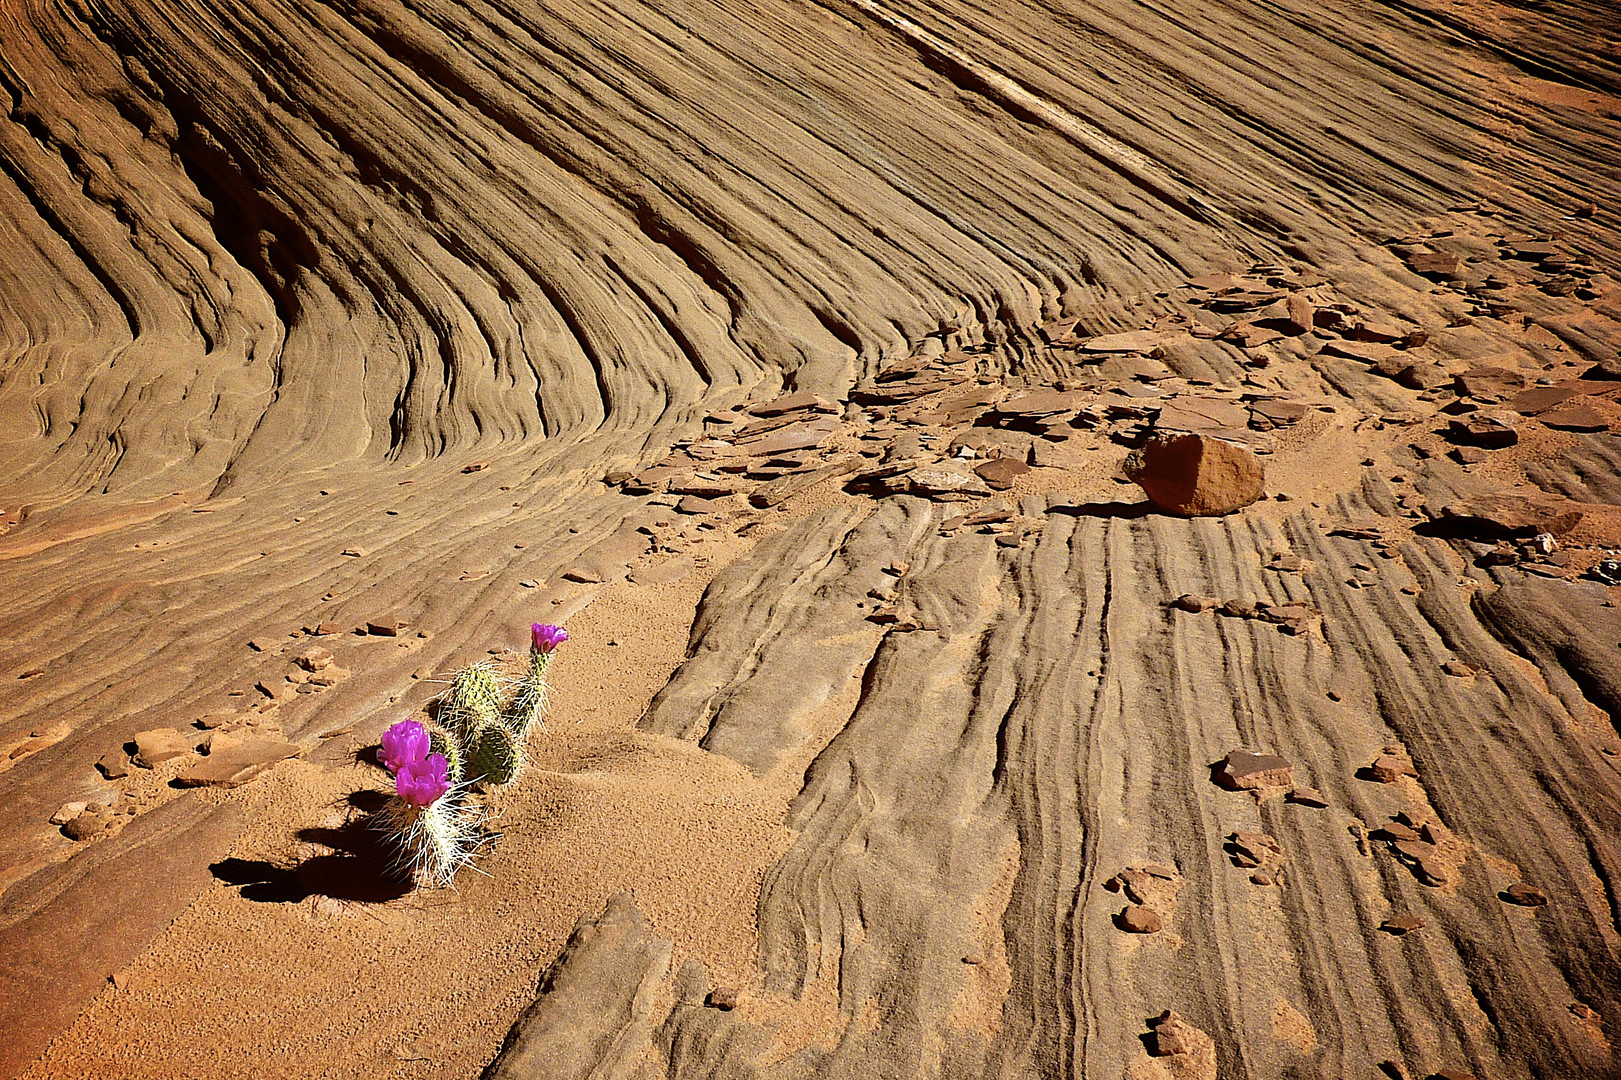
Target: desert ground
[807,363]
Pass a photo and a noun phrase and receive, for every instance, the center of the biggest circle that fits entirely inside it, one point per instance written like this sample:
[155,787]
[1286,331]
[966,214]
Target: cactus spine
[473,700]
[443,742]
[528,704]
[433,842]
[496,756]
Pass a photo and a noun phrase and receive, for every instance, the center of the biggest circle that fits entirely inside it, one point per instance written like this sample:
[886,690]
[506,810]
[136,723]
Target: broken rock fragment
[1188,1052]
[1136,919]
[1245,770]
[1388,768]
[1524,895]
[1509,513]
[1196,475]
[154,747]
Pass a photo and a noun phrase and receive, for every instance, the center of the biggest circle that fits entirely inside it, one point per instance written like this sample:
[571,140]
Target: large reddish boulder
[1196,475]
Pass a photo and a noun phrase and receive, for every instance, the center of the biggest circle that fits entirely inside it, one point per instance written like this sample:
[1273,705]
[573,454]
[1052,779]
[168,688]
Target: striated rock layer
[395,325]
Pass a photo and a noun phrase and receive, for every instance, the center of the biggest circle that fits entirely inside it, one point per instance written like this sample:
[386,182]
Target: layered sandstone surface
[789,354]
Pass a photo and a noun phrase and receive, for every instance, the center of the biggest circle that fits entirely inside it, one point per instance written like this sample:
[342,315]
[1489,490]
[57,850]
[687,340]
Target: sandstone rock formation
[1196,475]
[790,354]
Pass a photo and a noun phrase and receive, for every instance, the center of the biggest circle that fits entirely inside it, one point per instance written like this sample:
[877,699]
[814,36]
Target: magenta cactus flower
[421,782]
[403,744]
[544,638]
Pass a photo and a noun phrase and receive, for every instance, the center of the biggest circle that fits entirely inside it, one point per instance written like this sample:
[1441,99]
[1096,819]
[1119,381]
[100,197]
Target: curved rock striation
[390,324]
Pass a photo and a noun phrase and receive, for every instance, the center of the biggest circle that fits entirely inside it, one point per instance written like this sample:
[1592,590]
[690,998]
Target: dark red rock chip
[1000,473]
[1245,770]
[1524,895]
[1401,925]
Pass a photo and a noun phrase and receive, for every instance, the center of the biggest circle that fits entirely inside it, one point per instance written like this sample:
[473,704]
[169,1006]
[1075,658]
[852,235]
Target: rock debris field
[1089,535]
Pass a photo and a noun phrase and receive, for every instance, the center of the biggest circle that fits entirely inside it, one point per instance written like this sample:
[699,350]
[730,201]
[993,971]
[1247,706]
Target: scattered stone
[1043,403]
[1458,669]
[329,677]
[114,765]
[1398,832]
[1438,263]
[1422,859]
[1136,919]
[327,629]
[154,747]
[1584,1012]
[1489,382]
[1401,925]
[86,826]
[1196,603]
[277,690]
[387,627]
[67,813]
[1000,473]
[697,504]
[1305,796]
[355,552]
[1493,429]
[1245,770]
[1575,418]
[1514,514]
[723,998]
[1378,333]
[795,403]
[1388,768]
[1196,475]
[945,483]
[1251,849]
[798,436]
[316,659]
[1269,414]
[1524,895]
[260,644]
[236,765]
[477,466]
[1193,1052]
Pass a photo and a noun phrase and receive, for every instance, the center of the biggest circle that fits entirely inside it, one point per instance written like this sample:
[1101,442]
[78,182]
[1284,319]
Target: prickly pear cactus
[495,755]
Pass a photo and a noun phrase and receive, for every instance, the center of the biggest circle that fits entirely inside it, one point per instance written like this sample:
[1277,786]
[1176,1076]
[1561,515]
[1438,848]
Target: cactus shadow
[358,867]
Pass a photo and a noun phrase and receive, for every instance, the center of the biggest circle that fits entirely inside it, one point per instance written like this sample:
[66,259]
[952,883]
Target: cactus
[495,755]
[432,842]
[528,704]
[473,700]
[434,821]
[443,742]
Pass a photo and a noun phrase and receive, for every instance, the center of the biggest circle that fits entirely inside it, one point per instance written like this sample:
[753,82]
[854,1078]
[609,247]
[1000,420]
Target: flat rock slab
[803,436]
[1245,770]
[154,747]
[236,765]
[1131,341]
[69,927]
[1575,417]
[594,1014]
[1513,514]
